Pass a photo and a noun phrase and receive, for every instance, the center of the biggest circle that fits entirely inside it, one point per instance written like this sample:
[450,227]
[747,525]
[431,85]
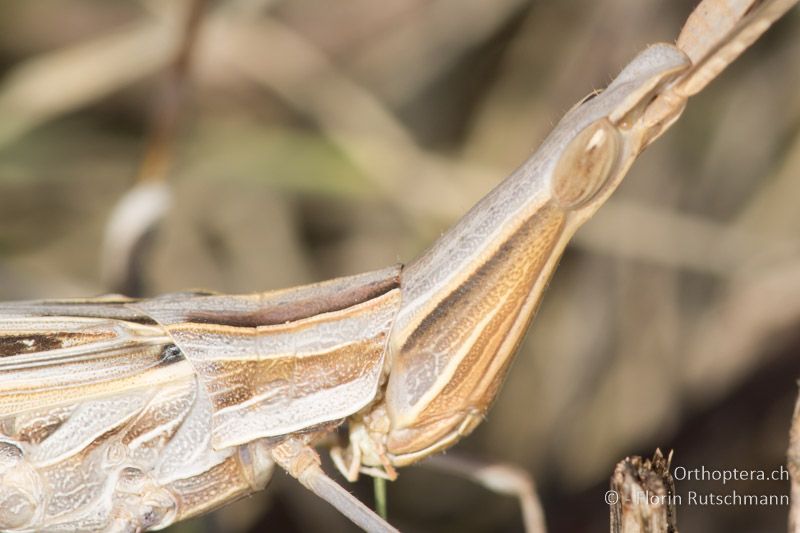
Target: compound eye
[586,164]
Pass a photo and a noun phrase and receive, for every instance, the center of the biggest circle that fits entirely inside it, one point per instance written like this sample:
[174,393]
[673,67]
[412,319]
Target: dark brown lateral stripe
[27,343]
[31,342]
[537,229]
[499,286]
[306,302]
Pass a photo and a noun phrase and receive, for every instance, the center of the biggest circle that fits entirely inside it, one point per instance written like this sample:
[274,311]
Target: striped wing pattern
[137,413]
[302,366]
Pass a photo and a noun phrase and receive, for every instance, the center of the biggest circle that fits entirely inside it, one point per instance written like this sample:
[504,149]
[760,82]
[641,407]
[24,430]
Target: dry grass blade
[60,81]
[657,235]
[500,478]
[140,210]
[714,57]
[351,116]
[707,22]
[427,43]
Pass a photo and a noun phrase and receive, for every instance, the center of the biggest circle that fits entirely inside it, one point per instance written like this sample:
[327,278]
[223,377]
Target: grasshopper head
[600,137]
[467,301]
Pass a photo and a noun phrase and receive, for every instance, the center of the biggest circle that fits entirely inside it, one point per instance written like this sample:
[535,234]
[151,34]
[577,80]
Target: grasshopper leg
[500,478]
[347,461]
[303,463]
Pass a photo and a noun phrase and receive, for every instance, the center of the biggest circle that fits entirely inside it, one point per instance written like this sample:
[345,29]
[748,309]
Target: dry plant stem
[655,234]
[349,114]
[170,99]
[749,318]
[141,209]
[793,463]
[743,29]
[426,43]
[500,478]
[772,210]
[379,489]
[710,19]
[644,490]
[45,86]
[144,47]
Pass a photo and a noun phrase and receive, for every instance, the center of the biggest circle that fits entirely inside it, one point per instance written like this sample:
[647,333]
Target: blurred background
[241,146]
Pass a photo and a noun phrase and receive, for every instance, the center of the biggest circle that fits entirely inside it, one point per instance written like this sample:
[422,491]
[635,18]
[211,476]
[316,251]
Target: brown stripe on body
[19,343]
[35,426]
[280,379]
[231,383]
[162,417]
[313,304]
[273,307]
[272,379]
[473,322]
[224,482]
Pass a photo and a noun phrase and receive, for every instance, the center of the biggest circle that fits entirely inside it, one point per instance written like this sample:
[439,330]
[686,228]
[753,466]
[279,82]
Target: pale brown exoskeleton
[119,414]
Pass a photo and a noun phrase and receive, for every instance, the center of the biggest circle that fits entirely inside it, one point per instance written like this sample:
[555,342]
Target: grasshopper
[120,414]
